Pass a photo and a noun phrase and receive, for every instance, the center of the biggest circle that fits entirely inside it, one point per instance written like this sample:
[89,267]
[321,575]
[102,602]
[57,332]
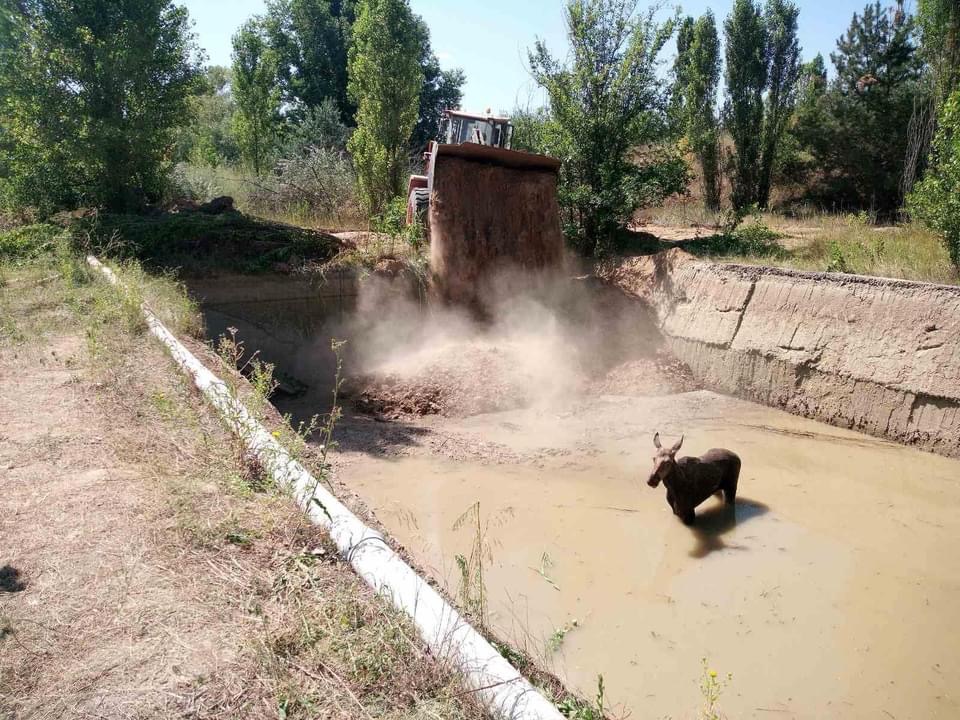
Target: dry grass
[160,577]
[813,240]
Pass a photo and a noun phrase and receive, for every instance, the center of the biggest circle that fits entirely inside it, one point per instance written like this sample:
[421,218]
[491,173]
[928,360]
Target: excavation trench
[830,590]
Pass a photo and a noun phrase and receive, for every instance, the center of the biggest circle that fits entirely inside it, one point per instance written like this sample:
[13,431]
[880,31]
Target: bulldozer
[486,208]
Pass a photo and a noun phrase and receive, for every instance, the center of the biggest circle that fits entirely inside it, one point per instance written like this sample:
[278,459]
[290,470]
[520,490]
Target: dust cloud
[539,340]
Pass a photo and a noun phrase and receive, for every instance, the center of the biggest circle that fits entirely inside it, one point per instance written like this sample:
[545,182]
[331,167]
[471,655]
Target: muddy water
[833,591]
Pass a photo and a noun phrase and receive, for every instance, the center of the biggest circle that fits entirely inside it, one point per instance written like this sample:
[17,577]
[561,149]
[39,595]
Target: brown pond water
[833,591]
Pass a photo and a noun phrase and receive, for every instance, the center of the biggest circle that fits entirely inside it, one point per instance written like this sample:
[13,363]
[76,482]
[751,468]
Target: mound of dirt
[458,381]
[662,374]
[477,378]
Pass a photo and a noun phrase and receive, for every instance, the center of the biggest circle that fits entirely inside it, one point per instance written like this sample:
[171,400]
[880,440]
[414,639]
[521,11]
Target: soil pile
[480,377]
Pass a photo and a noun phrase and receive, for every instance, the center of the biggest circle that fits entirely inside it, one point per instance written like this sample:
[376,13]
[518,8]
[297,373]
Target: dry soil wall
[872,354]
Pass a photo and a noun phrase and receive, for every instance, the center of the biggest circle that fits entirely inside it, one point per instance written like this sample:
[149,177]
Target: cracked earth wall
[876,355]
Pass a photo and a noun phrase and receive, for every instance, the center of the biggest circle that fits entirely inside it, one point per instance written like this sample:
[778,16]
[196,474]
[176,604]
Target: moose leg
[685,513]
[730,490]
[730,482]
[671,502]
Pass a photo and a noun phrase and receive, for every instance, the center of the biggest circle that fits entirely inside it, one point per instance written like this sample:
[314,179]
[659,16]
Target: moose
[691,480]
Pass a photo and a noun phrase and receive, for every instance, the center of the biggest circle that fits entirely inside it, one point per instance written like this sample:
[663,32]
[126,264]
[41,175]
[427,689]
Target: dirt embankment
[877,355]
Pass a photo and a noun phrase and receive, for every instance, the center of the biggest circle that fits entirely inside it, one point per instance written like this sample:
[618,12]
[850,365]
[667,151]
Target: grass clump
[755,240]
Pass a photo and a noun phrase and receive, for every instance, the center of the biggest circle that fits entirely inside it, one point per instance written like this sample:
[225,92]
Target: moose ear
[676,447]
[656,440]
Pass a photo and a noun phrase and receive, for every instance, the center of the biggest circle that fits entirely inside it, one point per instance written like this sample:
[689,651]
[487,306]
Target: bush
[752,240]
[393,222]
[936,198]
[315,183]
[28,242]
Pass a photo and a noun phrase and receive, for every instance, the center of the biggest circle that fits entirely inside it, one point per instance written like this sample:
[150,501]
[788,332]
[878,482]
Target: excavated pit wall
[872,354]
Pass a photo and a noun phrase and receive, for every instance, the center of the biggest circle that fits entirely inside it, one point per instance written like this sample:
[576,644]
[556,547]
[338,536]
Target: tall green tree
[311,41]
[678,96]
[697,75]
[91,95]
[385,80]
[257,95]
[209,139]
[857,131]
[939,24]
[936,199]
[746,80]
[604,104]
[783,54]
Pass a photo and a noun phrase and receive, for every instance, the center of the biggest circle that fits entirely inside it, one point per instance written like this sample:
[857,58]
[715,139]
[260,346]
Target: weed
[393,222]
[711,687]
[838,262]
[574,708]
[543,571]
[555,641]
[326,432]
[472,589]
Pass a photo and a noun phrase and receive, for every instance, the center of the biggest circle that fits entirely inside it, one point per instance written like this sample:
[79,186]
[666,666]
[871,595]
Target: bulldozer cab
[457,128]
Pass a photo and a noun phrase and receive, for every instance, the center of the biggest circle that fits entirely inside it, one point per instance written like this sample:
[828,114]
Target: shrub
[393,222]
[936,198]
[314,183]
[28,241]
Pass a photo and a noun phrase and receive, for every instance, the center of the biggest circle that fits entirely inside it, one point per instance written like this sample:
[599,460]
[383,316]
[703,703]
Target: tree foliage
[857,130]
[311,39]
[257,95]
[939,24]
[783,55]
[91,93]
[763,67]
[442,89]
[746,79]
[208,139]
[385,80]
[936,198]
[696,76]
[604,104]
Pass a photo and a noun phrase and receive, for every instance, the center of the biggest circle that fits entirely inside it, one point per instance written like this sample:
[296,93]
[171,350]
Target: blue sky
[489,39]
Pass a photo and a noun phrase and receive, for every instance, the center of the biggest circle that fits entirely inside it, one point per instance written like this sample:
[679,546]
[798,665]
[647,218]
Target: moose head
[664,461]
